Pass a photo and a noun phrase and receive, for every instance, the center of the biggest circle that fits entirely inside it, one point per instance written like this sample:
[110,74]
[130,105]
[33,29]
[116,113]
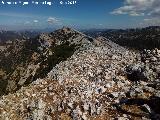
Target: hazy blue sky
[83,14]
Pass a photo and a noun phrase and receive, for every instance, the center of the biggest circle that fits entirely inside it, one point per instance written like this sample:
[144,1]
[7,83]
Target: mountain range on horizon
[132,38]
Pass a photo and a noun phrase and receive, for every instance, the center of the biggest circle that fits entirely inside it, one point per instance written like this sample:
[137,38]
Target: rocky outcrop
[83,87]
[27,60]
[99,80]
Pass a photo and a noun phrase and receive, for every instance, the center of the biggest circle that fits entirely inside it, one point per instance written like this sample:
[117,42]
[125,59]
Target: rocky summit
[66,75]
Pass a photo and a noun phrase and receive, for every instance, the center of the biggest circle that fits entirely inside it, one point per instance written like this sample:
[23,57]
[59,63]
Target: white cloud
[139,8]
[133,13]
[123,10]
[155,12]
[150,9]
[52,20]
[35,21]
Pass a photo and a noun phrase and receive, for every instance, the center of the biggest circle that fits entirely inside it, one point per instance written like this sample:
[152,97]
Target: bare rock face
[30,59]
[91,83]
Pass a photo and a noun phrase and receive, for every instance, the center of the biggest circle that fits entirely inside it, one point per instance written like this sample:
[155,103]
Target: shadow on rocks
[150,107]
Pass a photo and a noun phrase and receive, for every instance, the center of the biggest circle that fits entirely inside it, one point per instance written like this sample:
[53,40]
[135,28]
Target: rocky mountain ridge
[99,80]
[25,60]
